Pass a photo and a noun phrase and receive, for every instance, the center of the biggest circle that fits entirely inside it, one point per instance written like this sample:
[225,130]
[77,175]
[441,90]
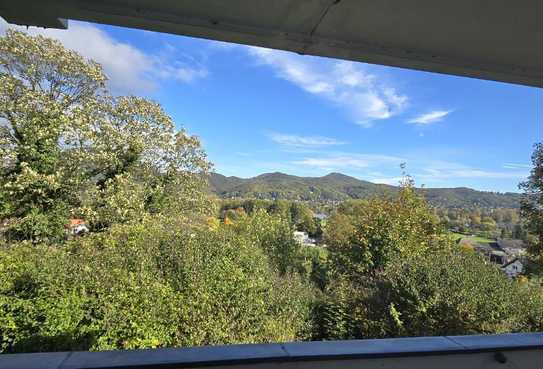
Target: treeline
[164,264]
[485,222]
[299,214]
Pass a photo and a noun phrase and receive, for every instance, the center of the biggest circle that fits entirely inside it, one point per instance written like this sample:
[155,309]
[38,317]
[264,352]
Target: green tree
[44,90]
[532,206]
[67,145]
[274,235]
[279,207]
[137,162]
[364,236]
[303,218]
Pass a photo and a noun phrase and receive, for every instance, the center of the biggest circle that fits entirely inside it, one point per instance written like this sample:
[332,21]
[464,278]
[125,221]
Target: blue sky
[258,110]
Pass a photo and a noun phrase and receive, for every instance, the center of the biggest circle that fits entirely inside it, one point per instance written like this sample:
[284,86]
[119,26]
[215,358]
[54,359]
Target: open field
[478,239]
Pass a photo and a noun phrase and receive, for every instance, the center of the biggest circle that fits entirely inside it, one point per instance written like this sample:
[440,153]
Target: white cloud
[179,72]
[385,168]
[431,117]
[304,141]
[129,69]
[516,166]
[470,173]
[222,45]
[446,170]
[343,83]
[350,161]
[393,181]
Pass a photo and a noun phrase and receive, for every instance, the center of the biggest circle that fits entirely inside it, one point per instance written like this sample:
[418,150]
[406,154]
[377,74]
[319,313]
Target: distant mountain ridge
[340,187]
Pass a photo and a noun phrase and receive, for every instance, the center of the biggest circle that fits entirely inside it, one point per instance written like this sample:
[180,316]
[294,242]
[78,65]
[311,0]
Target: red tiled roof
[75,222]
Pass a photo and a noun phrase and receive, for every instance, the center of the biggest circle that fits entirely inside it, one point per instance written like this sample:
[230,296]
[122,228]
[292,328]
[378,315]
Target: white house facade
[513,268]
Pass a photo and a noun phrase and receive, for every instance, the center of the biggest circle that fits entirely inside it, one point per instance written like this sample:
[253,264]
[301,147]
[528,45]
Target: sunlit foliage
[69,148]
[155,283]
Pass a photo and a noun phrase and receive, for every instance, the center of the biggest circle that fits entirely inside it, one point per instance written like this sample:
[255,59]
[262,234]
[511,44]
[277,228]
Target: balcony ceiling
[489,39]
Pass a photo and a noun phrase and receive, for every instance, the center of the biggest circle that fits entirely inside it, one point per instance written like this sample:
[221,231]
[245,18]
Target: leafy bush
[150,284]
[364,236]
[444,293]
[441,293]
[274,235]
[39,225]
[394,274]
[532,304]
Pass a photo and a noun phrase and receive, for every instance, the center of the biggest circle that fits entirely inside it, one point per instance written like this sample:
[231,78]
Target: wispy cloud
[440,170]
[350,161]
[129,69]
[304,141]
[430,117]
[393,181]
[386,168]
[470,173]
[516,166]
[343,83]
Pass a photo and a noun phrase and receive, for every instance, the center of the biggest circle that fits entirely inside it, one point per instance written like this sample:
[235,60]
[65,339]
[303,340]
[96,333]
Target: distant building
[498,257]
[505,253]
[513,268]
[304,239]
[484,249]
[513,248]
[321,216]
[77,227]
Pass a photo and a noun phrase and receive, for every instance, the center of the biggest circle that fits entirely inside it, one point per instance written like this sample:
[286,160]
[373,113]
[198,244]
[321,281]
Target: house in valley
[304,239]
[514,248]
[507,254]
[513,268]
[77,227]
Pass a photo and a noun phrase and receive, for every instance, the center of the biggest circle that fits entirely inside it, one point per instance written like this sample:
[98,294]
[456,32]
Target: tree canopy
[364,236]
[69,147]
[532,207]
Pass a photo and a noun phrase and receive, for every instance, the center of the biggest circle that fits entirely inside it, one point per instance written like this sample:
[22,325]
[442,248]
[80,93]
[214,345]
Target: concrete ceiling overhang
[499,40]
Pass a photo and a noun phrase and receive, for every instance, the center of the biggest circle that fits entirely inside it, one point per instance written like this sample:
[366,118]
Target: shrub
[151,284]
[445,293]
[436,293]
[365,236]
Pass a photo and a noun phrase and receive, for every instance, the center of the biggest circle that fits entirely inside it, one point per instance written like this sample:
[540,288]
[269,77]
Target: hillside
[338,187]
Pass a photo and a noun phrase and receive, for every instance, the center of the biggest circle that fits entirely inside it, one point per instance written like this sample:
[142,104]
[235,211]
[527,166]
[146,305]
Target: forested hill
[338,187]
